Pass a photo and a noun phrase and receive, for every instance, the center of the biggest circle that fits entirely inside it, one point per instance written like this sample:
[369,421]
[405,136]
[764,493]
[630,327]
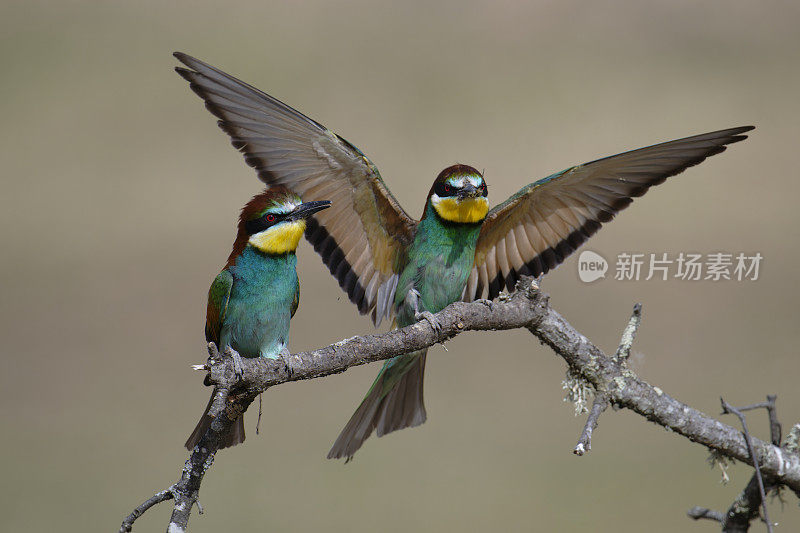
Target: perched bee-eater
[394,266]
[252,300]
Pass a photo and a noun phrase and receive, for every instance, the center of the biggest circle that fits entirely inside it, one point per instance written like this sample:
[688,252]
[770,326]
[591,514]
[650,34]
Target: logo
[683,266]
[591,266]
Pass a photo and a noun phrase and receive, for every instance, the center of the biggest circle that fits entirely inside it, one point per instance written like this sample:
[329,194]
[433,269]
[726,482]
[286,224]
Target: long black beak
[468,191]
[306,209]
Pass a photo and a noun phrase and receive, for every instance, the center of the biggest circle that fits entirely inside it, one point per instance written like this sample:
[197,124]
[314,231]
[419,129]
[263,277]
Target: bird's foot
[487,303]
[427,315]
[213,357]
[238,368]
[212,350]
[413,298]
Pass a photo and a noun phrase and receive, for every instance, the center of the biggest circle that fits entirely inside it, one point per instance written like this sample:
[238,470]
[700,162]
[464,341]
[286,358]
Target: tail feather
[401,407]
[404,405]
[235,435]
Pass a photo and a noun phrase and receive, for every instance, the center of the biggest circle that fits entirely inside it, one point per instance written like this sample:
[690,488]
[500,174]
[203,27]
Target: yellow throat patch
[280,238]
[469,210]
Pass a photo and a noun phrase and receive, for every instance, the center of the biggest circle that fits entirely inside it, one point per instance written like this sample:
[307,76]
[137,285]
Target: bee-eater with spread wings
[391,265]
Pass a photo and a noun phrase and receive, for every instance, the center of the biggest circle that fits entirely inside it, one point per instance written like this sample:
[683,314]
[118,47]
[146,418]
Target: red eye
[270,218]
[446,188]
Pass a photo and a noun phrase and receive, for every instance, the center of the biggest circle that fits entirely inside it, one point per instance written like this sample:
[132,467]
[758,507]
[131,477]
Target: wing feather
[361,238]
[540,226]
[219,295]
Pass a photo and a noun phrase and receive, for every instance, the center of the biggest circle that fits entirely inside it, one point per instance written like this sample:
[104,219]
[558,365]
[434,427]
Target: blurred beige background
[120,197]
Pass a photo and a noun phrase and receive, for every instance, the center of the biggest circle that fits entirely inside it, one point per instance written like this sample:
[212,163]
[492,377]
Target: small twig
[754,406]
[598,407]
[772,413]
[728,408]
[629,333]
[699,513]
[774,424]
[258,422]
[158,497]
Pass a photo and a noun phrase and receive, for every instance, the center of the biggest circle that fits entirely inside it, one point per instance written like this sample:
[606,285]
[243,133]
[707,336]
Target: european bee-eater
[252,300]
[394,266]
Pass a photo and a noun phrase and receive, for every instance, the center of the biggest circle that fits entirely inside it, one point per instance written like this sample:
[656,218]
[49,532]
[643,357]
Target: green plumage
[251,302]
[218,296]
[438,263]
[262,300]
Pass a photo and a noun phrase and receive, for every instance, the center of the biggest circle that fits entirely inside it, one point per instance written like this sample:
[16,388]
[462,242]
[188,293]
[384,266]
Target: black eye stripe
[261,223]
[444,190]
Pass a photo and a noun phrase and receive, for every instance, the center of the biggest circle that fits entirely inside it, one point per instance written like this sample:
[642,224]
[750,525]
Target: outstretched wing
[537,228]
[362,236]
[218,296]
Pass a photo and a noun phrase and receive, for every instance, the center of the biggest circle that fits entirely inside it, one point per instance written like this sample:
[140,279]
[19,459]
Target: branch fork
[601,400]
[754,496]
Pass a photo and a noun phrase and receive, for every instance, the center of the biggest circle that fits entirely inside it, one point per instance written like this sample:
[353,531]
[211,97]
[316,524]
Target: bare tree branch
[745,508]
[525,308]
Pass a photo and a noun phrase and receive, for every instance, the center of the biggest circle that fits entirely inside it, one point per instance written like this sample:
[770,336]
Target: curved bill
[306,209]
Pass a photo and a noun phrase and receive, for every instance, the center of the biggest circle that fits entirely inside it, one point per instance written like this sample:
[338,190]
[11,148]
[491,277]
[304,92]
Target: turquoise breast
[438,264]
[257,318]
